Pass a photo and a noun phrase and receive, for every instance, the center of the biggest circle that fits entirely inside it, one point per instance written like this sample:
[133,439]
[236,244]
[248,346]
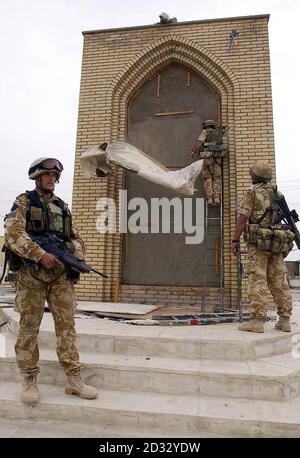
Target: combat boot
[252,326]
[283,324]
[76,385]
[30,394]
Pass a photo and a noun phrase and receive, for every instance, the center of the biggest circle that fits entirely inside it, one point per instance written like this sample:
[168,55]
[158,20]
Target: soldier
[41,276]
[210,147]
[267,244]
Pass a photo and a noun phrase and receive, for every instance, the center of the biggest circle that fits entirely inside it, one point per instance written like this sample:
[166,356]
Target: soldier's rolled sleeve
[203,135]
[16,237]
[246,204]
[77,242]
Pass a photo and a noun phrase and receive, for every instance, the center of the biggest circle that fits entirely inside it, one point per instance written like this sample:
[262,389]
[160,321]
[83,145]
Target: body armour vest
[50,217]
[214,141]
[265,207]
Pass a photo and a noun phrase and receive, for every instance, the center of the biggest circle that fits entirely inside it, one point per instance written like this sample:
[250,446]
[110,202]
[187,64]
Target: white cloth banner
[129,157]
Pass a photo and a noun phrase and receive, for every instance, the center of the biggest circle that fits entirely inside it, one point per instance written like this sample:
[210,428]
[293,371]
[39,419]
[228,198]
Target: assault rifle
[53,244]
[290,218]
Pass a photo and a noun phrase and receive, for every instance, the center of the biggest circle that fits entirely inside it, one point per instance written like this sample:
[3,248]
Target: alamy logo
[162,216]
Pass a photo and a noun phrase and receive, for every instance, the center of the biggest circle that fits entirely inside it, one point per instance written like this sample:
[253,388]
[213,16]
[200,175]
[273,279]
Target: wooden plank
[158,86]
[116,309]
[188,79]
[174,113]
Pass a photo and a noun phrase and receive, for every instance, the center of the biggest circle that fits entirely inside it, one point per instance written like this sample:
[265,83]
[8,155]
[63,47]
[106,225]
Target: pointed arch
[217,74]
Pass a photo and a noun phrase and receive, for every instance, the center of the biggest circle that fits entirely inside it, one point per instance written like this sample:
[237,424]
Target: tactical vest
[213,149]
[265,234]
[271,213]
[49,217]
[41,218]
[214,141]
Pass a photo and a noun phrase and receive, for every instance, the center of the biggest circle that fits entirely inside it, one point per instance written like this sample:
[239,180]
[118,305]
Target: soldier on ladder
[211,148]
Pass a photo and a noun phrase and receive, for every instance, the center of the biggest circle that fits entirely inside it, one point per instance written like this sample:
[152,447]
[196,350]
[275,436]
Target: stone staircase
[184,381]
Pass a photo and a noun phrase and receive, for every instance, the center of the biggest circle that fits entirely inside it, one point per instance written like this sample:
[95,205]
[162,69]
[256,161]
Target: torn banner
[129,157]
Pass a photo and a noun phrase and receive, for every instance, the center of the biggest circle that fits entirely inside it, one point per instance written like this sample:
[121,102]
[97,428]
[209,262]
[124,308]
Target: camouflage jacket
[18,240]
[255,202]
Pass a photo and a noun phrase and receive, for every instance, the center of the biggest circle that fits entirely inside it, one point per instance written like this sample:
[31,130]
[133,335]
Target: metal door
[164,120]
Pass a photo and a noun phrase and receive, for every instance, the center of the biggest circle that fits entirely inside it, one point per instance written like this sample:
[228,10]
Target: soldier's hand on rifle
[74,268]
[49,261]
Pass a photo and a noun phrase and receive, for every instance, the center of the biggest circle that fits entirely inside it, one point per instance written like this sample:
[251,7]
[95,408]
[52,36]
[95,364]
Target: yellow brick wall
[115,64]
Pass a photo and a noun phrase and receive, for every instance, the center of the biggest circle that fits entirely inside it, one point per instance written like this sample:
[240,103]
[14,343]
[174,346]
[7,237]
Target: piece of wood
[174,113]
[158,86]
[188,79]
[116,309]
[117,291]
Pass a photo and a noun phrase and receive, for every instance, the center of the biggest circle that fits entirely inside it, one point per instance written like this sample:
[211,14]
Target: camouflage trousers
[30,301]
[212,181]
[267,272]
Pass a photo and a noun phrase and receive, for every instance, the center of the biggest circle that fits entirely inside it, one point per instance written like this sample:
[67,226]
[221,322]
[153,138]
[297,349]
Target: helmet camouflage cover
[44,165]
[209,123]
[261,171]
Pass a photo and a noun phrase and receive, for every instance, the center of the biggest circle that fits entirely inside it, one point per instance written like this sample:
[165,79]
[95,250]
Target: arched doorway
[164,120]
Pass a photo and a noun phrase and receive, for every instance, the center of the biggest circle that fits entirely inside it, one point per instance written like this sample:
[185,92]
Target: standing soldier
[41,276]
[210,147]
[268,243]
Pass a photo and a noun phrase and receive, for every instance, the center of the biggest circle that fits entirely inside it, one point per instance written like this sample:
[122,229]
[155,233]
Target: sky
[40,58]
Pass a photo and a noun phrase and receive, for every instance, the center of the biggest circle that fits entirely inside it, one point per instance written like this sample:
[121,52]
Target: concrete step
[158,415]
[219,342]
[265,379]
[40,428]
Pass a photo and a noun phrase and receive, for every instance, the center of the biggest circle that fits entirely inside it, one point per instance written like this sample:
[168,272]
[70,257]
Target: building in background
[153,86]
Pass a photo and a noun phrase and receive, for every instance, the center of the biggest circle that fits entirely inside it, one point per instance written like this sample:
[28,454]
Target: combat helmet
[261,171]
[45,164]
[209,123]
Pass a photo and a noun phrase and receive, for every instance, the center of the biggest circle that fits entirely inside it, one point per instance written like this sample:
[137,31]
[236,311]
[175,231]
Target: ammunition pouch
[73,276]
[274,240]
[208,161]
[13,260]
[282,241]
[213,148]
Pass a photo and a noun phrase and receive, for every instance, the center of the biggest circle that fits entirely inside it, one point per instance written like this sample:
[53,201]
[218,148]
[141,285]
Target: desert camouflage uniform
[34,286]
[211,172]
[266,271]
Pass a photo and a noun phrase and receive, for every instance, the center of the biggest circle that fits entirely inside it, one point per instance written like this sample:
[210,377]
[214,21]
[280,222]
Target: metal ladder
[220,247]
